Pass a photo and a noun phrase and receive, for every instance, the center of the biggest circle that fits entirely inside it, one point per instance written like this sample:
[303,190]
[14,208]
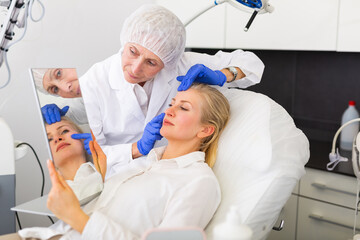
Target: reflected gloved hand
[87,138]
[201,73]
[52,113]
[151,134]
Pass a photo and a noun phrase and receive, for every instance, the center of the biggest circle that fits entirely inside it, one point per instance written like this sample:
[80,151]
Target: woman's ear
[206,131]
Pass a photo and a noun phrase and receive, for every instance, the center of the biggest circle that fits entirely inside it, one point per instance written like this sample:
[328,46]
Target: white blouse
[167,193]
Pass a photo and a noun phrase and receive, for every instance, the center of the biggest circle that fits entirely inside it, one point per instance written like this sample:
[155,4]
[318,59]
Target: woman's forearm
[78,221]
[135,151]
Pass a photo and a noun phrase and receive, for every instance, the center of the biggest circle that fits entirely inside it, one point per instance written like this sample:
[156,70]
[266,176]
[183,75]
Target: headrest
[260,145]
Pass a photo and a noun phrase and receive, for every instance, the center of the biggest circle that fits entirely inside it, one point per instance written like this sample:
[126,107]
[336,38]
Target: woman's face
[62,146]
[139,64]
[182,118]
[63,82]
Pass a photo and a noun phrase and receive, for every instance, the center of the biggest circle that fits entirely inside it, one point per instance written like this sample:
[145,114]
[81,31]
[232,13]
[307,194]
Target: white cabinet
[321,25]
[329,187]
[320,207]
[326,206]
[294,25]
[289,215]
[349,26]
[318,220]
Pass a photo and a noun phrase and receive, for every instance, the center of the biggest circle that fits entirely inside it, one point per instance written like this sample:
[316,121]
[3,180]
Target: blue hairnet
[157,29]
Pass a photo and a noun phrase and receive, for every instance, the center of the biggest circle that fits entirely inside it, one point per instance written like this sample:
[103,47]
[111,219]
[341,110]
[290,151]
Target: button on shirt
[166,193]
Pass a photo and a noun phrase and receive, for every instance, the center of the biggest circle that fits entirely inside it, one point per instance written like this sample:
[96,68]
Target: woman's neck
[176,149]
[69,168]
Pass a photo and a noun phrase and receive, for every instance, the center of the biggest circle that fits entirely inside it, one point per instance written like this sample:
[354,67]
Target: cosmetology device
[17,14]
[254,6]
[7,175]
[336,158]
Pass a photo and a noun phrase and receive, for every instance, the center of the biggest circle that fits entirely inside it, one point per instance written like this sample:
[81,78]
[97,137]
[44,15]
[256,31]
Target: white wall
[73,33]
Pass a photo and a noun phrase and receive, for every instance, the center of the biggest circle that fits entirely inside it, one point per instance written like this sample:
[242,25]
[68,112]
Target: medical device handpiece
[335,158]
[255,4]
[250,21]
[356,156]
[259,6]
[6,33]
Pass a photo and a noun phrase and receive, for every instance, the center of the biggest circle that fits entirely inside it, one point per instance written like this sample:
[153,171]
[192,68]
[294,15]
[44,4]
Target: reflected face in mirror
[62,82]
[139,64]
[64,149]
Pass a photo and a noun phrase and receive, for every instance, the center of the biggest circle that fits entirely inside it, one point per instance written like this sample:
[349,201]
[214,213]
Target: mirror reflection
[67,129]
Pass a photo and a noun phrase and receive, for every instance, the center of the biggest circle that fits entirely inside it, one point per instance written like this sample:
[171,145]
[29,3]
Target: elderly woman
[127,90]
[60,82]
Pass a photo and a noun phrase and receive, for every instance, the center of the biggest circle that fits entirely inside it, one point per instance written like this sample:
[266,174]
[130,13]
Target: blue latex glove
[87,138]
[201,73]
[52,113]
[151,134]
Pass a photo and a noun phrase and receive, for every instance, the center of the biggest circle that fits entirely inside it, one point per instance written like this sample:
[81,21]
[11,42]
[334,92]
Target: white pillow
[261,156]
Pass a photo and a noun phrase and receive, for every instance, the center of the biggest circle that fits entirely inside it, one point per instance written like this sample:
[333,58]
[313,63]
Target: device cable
[42,176]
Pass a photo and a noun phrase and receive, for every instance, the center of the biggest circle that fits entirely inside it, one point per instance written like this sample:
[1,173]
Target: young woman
[68,154]
[176,188]
[72,161]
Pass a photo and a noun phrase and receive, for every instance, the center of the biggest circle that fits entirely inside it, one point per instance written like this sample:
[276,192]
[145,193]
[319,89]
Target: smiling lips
[61,146]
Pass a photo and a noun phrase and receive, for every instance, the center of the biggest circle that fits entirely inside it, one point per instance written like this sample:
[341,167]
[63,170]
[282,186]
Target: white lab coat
[77,111]
[114,113]
[167,193]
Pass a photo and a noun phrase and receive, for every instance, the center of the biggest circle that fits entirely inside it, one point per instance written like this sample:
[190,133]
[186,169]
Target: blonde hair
[72,124]
[216,112]
[77,129]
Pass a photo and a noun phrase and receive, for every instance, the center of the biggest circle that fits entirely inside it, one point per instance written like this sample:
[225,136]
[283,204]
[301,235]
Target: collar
[116,74]
[182,161]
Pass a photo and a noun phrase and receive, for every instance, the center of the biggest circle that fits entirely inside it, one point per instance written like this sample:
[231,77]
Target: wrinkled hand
[202,74]
[151,134]
[52,113]
[99,157]
[87,138]
[61,199]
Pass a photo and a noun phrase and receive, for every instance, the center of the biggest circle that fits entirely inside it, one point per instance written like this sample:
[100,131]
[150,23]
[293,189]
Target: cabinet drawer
[329,187]
[288,214]
[318,220]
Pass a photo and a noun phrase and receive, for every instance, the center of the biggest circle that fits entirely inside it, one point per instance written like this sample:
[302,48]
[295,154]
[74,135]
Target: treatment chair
[261,157]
